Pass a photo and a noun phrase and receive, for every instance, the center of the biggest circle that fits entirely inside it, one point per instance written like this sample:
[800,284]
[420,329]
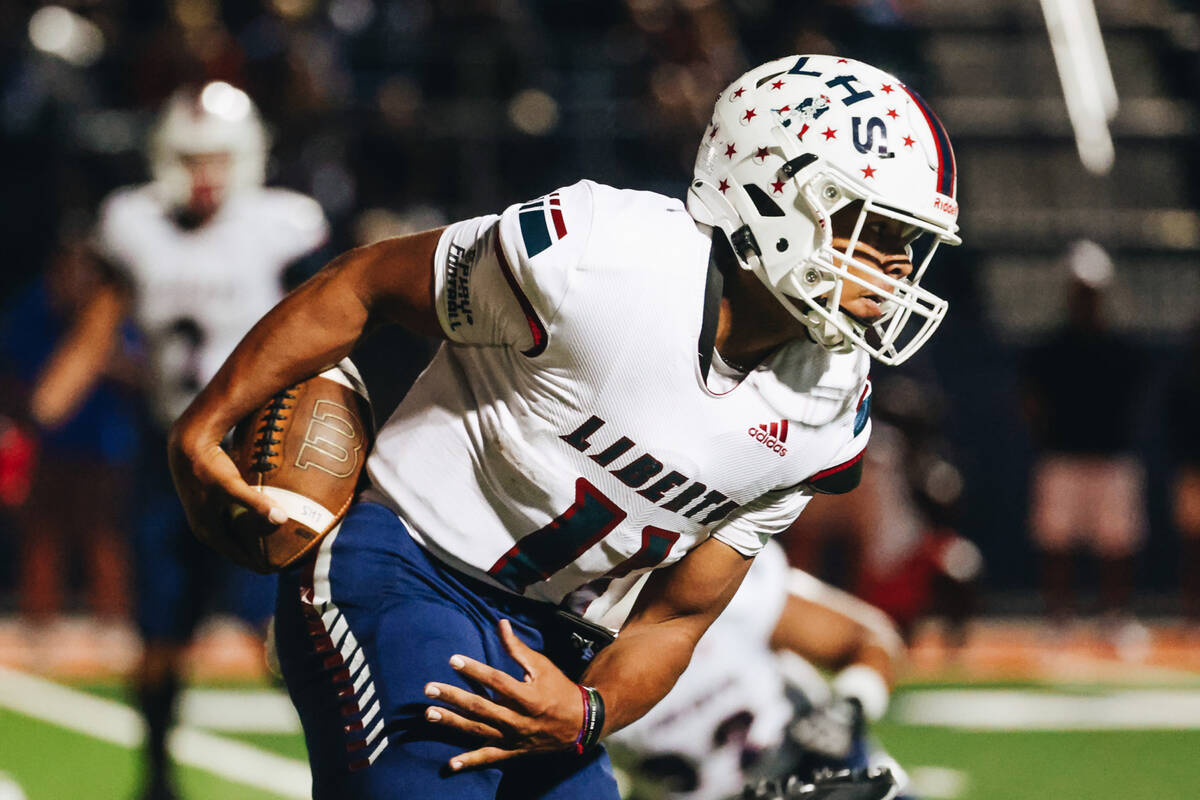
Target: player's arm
[544,712]
[841,633]
[312,327]
[834,640]
[673,610]
[80,358]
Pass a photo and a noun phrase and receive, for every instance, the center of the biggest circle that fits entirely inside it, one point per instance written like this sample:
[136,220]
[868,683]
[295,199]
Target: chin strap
[827,334]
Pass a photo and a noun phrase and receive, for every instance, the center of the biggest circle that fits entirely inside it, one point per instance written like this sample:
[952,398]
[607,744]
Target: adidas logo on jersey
[772,436]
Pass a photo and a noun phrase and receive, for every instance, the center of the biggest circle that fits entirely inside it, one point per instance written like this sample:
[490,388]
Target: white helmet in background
[219,118]
[794,141]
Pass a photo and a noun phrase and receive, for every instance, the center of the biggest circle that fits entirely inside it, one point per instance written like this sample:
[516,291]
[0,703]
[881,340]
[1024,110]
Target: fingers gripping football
[288,476]
[542,713]
[208,483]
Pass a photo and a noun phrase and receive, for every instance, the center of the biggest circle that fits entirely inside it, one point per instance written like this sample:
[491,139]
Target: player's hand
[212,490]
[542,713]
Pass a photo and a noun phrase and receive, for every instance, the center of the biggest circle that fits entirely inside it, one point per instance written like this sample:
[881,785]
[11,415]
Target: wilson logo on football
[332,441]
[772,436]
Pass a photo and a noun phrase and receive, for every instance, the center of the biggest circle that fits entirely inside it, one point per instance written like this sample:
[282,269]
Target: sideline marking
[1016,710]
[244,710]
[939,783]
[114,722]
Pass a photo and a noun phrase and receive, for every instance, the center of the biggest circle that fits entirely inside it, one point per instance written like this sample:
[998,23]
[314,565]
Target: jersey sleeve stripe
[534,230]
[839,468]
[560,225]
[536,329]
[864,409]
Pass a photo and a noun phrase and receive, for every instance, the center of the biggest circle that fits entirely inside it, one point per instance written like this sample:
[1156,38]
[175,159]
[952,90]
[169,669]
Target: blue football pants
[360,629]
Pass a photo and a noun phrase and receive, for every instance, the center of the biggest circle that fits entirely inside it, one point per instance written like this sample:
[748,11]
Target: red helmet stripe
[945,154]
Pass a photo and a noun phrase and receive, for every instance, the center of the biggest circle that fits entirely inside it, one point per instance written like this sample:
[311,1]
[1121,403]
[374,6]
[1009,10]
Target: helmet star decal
[830,135]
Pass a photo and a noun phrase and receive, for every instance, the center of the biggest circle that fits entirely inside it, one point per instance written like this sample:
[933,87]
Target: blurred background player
[200,254]
[1087,485]
[752,705]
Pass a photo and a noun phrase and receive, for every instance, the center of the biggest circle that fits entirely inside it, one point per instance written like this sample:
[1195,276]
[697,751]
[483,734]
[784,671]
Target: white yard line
[1017,710]
[242,710]
[114,722]
[937,783]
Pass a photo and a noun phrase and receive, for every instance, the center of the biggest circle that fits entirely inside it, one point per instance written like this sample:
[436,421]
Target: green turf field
[1056,765]
[50,763]
[998,743]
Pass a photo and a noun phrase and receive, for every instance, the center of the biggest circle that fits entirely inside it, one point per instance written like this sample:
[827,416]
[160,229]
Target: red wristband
[583,727]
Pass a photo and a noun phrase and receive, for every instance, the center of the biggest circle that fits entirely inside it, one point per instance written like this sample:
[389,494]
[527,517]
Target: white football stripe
[113,722]
[302,509]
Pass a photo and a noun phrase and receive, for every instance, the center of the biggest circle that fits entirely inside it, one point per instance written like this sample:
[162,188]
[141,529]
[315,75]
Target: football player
[629,384]
[199,254]
[743,711]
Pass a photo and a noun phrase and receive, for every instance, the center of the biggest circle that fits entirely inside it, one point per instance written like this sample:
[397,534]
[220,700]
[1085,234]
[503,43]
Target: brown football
[305,448]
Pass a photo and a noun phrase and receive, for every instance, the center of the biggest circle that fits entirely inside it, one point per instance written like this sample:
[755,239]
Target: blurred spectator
[1183,425]
[1083,394]
[199,254]
[75,506]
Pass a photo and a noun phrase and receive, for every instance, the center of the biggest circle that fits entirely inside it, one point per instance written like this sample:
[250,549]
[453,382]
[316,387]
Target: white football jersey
[566,437]
[197,292]
[729,704]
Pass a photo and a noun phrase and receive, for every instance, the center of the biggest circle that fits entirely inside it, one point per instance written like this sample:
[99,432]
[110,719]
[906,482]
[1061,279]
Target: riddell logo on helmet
[945,204]
[772,436]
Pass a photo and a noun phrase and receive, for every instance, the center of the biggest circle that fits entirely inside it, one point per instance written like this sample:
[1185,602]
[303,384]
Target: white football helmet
[795,140]
[219,118]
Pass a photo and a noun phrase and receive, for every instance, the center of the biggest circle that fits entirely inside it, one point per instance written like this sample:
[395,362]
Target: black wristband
[594,724]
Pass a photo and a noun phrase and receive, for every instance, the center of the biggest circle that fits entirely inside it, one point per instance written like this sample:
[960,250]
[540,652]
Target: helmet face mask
[794,142]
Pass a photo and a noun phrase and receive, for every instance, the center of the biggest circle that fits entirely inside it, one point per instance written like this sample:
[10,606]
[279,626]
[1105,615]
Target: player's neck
[752,324]
[189,220]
